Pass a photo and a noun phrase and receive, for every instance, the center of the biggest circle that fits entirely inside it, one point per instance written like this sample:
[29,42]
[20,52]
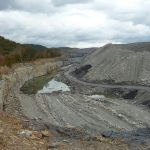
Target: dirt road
[130,87]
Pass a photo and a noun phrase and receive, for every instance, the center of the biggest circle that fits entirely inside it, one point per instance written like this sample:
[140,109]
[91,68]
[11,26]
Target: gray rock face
[13,81]
[120,63]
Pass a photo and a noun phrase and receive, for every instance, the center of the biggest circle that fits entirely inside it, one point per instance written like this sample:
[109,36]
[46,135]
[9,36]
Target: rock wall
[19,76]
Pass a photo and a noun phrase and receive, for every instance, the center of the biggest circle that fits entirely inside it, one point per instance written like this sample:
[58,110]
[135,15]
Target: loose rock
[54,145]
[45,133]
[26,133]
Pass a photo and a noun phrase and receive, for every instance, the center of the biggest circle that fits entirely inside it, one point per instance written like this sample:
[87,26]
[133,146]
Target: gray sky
[76,23]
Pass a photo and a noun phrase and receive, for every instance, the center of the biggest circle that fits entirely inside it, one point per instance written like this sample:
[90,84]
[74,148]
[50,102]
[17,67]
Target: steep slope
[113,63]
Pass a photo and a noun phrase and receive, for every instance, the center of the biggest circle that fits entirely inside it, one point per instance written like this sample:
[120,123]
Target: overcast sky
[75,23]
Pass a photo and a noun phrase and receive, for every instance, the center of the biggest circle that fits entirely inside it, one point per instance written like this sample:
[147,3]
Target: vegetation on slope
[12,52]
[34,85]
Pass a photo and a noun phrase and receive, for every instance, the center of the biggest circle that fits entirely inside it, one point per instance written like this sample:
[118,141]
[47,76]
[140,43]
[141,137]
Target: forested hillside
[12,52]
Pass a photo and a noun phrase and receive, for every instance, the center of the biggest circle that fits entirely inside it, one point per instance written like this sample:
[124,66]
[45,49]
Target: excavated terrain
[124,63]
[92,115]
[107,116]
[41,125]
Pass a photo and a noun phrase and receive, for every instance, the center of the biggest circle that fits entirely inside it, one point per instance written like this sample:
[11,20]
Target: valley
[111,111]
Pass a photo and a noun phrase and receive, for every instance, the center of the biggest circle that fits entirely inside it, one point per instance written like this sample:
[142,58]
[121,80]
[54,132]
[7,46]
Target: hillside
[12,52]
[129,63]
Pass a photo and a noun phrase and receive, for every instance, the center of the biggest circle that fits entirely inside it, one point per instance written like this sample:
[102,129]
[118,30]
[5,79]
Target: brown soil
[11,139]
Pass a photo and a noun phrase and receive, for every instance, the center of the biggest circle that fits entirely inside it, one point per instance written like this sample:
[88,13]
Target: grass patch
[36,84]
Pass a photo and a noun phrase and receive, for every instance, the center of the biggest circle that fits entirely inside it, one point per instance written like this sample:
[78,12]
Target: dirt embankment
[15,135]
[14,80]
[119,64]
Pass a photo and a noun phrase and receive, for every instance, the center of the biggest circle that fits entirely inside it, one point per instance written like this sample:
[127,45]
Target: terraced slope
[129,63]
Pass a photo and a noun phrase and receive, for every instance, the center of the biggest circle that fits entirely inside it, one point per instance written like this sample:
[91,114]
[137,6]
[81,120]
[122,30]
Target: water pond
[54,86]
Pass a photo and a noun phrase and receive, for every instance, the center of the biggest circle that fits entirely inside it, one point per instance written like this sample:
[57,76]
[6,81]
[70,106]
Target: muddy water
[54,86]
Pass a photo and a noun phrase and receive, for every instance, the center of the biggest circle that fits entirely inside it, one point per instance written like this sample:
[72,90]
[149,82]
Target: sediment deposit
[124,63]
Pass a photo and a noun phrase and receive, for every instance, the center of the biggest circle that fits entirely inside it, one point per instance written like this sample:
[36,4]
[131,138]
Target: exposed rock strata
[10,84]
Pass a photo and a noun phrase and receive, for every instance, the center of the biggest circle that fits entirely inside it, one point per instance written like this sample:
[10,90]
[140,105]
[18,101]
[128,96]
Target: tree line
[11,52]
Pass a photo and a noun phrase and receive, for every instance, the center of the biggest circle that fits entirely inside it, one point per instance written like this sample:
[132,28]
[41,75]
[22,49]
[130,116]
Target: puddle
[54,86]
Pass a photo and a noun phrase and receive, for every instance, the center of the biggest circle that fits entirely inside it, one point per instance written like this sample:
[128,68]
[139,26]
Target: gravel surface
[128,63]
